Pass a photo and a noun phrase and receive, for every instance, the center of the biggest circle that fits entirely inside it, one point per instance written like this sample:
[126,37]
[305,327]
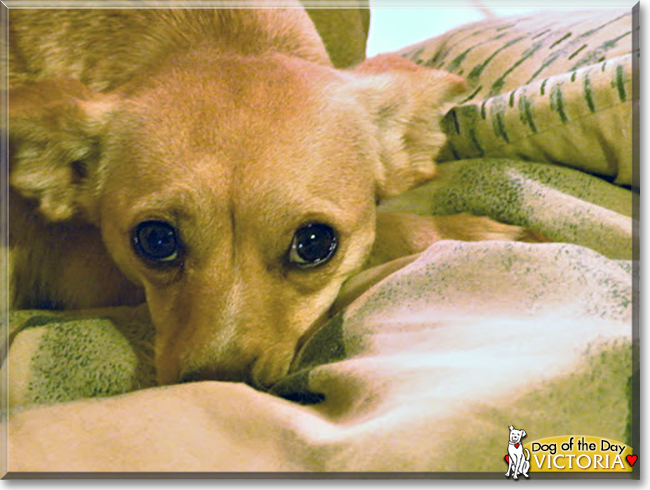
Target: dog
[519,464]
[215,165]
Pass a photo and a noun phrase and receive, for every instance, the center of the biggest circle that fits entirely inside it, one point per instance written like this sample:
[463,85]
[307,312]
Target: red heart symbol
[507,459]
[631,459]
[517,445]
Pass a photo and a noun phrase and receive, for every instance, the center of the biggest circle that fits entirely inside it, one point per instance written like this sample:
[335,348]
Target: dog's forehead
[245,112]
[230,94]
[241,111]
[245,133]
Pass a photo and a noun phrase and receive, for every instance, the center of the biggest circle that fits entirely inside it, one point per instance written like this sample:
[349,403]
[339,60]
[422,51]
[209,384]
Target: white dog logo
[515,458]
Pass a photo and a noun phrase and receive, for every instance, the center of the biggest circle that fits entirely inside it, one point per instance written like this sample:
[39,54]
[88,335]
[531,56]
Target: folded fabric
[581,119]
[424,372]
[61,356]
[564,204]
[551,86]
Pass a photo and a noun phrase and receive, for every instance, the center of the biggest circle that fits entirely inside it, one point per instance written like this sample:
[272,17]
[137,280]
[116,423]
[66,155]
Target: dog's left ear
[523,434]
[406,103]
[54,133]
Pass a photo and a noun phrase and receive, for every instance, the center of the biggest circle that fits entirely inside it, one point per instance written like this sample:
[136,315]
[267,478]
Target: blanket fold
[468,339]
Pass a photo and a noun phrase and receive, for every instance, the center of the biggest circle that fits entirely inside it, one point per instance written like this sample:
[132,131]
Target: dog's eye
[156,240]
[312,245]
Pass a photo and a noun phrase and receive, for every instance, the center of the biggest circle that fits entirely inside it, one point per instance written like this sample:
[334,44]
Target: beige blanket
[424,373]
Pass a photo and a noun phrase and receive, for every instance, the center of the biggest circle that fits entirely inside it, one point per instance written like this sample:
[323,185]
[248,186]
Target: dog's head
[239,192]
[516,435]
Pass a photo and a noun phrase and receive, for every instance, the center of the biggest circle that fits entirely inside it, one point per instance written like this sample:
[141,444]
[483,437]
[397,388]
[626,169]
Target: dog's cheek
[168,368]
[171,352]
[116,237]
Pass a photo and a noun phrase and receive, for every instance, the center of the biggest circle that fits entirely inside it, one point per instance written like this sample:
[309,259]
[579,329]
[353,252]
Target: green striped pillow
[552,87]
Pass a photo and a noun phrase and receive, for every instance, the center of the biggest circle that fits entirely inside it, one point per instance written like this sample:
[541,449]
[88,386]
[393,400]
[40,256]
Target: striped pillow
[551,87]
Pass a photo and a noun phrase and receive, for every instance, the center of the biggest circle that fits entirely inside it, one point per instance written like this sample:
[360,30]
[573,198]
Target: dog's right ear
[54,139]
[405,103]
[510,427]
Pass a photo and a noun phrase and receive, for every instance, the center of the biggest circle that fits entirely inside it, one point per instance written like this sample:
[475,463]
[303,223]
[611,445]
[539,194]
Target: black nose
[214,375]
[191,378]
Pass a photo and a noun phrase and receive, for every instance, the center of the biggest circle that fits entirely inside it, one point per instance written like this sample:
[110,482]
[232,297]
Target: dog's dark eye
[156,240]
[312,245]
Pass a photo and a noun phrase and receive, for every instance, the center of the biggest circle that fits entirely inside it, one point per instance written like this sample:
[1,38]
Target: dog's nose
[213,375]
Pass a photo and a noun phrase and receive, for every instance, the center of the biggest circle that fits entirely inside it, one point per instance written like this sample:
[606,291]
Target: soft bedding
[424,373]
[427,369]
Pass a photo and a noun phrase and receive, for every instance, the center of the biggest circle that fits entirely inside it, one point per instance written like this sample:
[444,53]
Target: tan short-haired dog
[213,164]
